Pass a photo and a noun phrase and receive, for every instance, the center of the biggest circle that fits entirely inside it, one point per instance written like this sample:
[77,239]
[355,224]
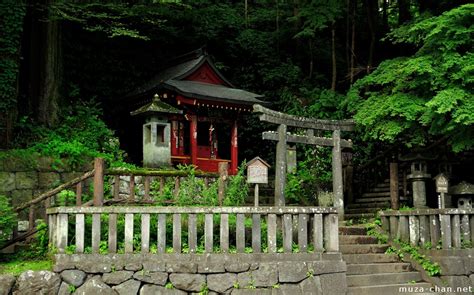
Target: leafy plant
[432,268]
[8,219]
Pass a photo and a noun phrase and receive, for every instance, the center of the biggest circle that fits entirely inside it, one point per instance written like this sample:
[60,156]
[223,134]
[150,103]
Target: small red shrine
[205,132]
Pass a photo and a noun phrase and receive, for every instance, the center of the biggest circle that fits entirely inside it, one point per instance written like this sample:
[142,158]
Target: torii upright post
[282,137]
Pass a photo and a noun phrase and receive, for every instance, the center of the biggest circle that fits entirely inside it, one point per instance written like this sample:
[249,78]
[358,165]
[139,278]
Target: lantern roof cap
[156,106]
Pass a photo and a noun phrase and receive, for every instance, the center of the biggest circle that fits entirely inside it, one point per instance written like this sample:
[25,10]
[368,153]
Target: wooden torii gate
[282,137]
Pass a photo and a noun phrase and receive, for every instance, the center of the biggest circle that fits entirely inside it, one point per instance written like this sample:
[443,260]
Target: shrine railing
[179,229]
[448,228]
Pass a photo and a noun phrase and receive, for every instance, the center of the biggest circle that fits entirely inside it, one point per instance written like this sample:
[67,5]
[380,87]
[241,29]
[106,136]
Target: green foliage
[237,188]
[311,178]
[11,24]
[374,230]
[432,268]
[8,219]
[20,265]
[426,96]
[39,247]
[81,135]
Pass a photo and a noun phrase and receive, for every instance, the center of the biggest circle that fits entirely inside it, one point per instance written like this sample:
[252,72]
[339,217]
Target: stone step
[394,289]
[361,210]
[369,258]
[363,249]
[374,268]
[352,230]
[383,189]
[375,194]
[379,205]
[359,216]
[382,279]
[356,239]
[371,200]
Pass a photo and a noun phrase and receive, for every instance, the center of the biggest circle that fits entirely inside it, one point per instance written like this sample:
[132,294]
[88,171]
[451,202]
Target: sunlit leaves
[426,96]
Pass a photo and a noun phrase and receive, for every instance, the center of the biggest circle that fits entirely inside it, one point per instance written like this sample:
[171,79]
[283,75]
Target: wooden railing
[450,228]
[317,229]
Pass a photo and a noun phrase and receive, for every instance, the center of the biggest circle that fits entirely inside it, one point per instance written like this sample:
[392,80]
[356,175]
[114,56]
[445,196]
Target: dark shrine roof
[174,78]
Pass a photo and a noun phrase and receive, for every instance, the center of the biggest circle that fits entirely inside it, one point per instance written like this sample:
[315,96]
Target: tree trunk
[372,8]
[403,11]
[351,74]
[333,49]
[50,71]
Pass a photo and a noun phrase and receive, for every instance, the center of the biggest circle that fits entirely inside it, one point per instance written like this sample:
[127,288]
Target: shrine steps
[370,270]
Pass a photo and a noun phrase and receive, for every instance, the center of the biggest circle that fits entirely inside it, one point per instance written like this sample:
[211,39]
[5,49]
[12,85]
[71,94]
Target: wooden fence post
[223,174]
[394,196]
[337,185]
[98,182]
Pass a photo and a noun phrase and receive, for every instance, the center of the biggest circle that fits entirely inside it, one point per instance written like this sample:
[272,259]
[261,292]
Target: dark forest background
[402,69]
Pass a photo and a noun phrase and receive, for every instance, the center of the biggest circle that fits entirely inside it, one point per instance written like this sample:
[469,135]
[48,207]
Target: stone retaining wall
[188,274]
[21,179]
[457,266]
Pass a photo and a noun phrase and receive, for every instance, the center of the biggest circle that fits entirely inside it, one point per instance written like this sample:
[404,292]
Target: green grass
[16,267]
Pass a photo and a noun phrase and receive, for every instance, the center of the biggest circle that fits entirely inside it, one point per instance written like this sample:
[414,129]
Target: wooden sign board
[257,171]
[441,183]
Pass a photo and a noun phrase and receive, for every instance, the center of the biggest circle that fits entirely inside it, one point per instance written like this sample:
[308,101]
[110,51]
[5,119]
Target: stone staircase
[370,202]
[369,269]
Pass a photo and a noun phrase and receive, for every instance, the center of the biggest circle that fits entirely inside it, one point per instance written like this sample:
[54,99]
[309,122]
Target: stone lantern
[156,132]
[418,176]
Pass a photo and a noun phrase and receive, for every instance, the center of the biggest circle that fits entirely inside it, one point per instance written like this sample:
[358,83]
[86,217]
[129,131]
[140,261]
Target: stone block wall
[191,274]
[21,180]
[457,267]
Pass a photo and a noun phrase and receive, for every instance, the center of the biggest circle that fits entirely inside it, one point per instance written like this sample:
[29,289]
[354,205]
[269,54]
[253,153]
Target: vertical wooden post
[193,139]
[331,233]
[161,233]
[223,168]
[145,233]
[287,233]
[208,233]
[98,182]
[80,233]
[116,187]
[131,196]
[394,195]
[112,233]
[177,233]
[272,233]
[234,150]
[280,167]
[456,230]
[256,197]
[240,233]
[224,233]
[174,138]
[337,185]
[446,238]
[318,233]
[147,188]
[95,233]
[256,233]
[79,194]
[129,233]
[303,232]
[62,232]
[31,217]
[192,233]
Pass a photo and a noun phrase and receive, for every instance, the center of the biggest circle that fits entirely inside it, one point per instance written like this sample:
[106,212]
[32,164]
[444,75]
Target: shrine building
[190,114]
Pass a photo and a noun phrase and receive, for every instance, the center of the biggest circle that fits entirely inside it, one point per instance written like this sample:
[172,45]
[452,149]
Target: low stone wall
[21,179]
[457,267]
[189,274]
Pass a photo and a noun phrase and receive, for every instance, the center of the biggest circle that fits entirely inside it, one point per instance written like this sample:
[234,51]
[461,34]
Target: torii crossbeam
[282,137]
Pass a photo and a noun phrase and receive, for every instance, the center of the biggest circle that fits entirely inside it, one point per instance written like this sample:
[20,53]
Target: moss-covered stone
[7,182]
[48,179]
[26,180]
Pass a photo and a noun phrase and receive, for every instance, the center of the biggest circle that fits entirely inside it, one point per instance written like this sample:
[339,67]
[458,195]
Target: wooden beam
[304,139]
[193,139]
[275,117]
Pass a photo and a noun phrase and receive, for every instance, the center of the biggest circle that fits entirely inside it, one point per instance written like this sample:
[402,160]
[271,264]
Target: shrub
[7,219]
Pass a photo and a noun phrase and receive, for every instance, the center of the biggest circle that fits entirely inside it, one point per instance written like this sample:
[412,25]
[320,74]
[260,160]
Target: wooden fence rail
[450,228]
[317,228]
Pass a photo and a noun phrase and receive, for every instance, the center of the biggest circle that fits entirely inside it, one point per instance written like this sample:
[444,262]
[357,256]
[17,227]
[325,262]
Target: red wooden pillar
[234,150]
[174,138]
[181,138]
[193,139]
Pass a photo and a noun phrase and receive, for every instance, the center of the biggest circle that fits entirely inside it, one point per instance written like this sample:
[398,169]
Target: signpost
[257,172]
[441,188]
